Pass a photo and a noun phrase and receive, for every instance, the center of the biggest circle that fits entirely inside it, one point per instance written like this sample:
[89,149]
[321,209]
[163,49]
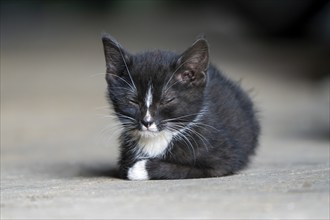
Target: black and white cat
[181,117]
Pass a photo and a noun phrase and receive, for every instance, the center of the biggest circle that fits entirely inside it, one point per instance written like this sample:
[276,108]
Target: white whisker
[199,124]
[171,86]
[96,74]
[122,57]
[184,116]
[175,72]
[126,117]
[133,89]
[191,131]
[180,136]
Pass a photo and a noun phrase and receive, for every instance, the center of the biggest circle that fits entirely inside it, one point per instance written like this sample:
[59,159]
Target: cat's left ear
[193,63]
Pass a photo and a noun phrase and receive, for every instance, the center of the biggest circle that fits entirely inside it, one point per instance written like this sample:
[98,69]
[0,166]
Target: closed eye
[167,101]
[133,101]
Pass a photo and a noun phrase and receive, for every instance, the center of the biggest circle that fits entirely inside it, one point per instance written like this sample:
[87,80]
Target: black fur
[185,88]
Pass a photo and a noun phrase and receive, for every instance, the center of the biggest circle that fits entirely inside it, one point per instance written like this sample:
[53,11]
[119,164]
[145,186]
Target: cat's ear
[116,57]
[193,63]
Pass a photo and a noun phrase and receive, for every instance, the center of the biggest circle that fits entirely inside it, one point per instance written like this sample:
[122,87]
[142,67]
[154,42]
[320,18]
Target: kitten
[181,117]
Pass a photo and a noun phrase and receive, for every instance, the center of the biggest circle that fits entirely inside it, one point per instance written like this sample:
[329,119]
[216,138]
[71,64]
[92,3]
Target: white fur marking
[138,171]
[198,117]
[154,143]
[153,127]
[148,99]
[148,116]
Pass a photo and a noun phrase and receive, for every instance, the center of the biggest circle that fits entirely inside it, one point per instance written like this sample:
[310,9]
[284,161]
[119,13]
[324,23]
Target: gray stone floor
[58,150]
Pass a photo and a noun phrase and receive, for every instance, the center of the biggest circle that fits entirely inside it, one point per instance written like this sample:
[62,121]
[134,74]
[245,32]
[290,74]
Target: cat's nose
[147,123]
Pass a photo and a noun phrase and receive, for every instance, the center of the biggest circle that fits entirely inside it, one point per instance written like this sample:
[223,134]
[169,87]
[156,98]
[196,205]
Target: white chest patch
[154,144]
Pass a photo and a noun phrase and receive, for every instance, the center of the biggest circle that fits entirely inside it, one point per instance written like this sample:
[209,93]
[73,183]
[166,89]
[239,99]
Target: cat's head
[156,91]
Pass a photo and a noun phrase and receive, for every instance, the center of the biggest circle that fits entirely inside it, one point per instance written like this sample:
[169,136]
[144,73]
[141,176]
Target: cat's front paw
[138,171]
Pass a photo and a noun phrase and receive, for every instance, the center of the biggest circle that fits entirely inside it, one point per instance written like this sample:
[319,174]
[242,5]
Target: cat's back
[231,109]
[222,90]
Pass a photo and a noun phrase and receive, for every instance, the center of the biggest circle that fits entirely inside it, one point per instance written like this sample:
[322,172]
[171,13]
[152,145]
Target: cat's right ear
[116,57]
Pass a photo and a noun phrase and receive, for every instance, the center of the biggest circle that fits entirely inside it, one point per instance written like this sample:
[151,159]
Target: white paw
[138,171]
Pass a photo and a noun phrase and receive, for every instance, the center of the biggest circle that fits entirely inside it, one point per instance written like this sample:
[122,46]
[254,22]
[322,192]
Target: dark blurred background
[298,29]
[52,64]
[59,146]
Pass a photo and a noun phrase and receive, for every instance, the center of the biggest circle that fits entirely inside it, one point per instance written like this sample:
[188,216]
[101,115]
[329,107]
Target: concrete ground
[58,151]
